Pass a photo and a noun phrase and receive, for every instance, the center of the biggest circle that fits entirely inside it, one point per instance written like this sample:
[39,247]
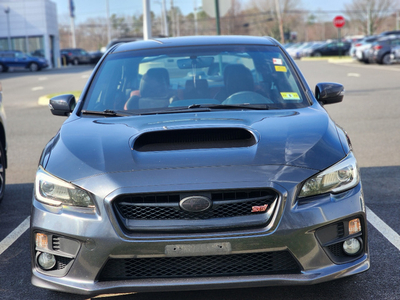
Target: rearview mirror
[329,92]
[62,105]
[196,62]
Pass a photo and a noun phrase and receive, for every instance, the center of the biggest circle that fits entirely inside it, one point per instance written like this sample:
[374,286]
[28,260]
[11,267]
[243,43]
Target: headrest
[155,83]
[238,78]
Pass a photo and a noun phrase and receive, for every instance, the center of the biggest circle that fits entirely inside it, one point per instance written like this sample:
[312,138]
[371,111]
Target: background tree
[266,21]
[369,15]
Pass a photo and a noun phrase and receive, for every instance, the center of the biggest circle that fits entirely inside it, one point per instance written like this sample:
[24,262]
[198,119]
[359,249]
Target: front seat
[154,90]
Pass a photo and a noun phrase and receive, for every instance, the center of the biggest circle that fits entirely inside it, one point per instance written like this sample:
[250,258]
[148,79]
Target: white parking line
[391,235]
[14,235]
[37,88]
[353,75]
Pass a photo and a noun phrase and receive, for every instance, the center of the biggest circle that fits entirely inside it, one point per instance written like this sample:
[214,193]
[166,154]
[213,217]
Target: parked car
[123,40]
[3,147]
[166,176]
[379,51]
[296,53]
[362,47]
[332,48]
[75,56]
[305,52]
[292,49]
[95,56]
[390,32]
[38,53]
[20,60]
[395,54]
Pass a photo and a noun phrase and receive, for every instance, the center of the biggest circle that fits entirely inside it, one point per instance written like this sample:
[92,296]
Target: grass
[75,93]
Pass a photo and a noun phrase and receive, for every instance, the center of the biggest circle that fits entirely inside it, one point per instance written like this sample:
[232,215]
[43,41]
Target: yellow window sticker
[280,69]
[290,96]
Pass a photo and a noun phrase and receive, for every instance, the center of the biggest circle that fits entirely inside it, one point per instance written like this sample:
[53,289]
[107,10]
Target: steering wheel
[247,97]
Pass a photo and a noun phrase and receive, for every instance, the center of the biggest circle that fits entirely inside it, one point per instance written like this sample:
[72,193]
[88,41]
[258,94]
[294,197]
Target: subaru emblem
[195,203]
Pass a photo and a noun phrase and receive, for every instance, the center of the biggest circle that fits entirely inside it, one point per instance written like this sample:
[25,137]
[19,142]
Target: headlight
[54,191]
[340,177]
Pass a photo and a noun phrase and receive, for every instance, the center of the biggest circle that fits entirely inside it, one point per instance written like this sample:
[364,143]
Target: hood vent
[194,139]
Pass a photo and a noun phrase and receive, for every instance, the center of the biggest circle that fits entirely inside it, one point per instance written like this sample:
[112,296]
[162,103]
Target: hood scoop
[183,139]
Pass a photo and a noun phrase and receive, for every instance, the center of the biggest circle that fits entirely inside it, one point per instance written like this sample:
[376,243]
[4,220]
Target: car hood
[91,146]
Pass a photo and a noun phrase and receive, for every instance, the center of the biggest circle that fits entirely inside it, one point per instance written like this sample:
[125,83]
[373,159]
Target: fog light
[46,261]
[351,246]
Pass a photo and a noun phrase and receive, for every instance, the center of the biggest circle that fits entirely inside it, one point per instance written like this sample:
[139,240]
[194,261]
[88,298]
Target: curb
[340,61]
[44,100]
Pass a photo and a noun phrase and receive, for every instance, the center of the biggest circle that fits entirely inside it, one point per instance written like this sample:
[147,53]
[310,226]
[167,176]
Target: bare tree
[370,14]
[266,17]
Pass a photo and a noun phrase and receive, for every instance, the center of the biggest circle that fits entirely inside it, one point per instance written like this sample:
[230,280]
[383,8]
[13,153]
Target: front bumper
[99,238]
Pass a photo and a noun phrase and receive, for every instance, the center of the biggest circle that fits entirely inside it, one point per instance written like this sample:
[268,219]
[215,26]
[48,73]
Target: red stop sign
[339,21]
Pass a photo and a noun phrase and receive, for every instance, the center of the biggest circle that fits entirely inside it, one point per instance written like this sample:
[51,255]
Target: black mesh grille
[337,250]
[281,262]
[62,262]
[225,205]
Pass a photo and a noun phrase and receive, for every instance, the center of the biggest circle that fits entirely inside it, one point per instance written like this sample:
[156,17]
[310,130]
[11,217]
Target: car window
[19,55]
[170,77]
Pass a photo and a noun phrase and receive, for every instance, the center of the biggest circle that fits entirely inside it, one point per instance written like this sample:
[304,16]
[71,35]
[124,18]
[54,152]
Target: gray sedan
[197,163]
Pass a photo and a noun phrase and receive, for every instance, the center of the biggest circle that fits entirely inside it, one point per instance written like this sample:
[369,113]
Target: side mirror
[329,92]
[62,105]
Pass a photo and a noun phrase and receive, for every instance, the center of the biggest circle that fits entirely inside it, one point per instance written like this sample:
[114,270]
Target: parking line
[391,235]
[37,88]
[14,235]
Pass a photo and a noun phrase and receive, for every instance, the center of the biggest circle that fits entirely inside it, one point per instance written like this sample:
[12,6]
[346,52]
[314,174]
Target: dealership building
[30,26]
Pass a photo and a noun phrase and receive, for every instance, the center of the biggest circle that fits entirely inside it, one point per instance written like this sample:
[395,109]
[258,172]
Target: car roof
[195,41]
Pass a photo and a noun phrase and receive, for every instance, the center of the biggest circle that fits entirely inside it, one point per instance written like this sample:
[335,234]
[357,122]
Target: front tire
[386,59]
[34,67]
[3,68]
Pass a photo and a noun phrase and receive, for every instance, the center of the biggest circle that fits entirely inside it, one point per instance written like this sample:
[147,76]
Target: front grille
[226,204]
[265,263]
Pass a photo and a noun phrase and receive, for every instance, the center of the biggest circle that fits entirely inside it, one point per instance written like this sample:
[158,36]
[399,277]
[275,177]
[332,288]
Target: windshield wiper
[106,112]
[231,106]
[204,108]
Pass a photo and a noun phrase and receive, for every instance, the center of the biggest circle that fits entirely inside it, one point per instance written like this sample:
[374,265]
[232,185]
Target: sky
[97,8]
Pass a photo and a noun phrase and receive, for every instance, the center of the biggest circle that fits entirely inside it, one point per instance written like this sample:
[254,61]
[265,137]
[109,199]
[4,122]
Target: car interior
[161,81]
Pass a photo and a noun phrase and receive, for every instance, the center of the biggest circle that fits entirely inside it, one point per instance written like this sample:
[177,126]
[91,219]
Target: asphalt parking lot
[369,113]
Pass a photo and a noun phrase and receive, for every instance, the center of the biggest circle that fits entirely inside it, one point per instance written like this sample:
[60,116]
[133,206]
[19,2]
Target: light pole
[7,11]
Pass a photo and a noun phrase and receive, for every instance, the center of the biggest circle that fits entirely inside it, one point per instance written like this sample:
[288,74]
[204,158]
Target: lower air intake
[280,262]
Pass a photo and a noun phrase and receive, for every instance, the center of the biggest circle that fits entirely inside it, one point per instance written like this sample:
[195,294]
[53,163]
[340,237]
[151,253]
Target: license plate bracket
[198,249]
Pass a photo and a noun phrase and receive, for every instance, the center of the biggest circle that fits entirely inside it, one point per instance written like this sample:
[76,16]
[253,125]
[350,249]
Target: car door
[331,49]
[20,60]
[9,59]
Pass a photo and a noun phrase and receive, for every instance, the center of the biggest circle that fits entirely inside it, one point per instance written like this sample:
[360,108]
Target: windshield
[195,77]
